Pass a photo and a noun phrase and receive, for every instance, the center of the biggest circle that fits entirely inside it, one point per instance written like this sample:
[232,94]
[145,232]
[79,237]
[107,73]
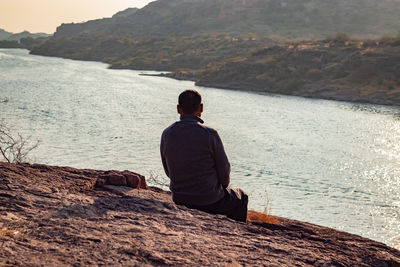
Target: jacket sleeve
[164,162]
[221,160]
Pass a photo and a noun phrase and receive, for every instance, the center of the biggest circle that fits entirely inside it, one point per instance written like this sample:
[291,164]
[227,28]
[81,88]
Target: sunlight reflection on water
[325,162]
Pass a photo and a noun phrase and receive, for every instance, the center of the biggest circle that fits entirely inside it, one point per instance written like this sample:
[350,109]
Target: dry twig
[15,148]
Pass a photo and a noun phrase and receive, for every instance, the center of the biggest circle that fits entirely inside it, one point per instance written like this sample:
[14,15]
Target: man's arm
[221,160]
[164,162]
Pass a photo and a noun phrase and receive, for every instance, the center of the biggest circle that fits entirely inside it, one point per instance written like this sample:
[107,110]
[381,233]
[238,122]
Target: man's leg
[233,205]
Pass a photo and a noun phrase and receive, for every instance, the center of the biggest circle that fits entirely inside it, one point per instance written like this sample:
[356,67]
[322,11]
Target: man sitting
[194,159]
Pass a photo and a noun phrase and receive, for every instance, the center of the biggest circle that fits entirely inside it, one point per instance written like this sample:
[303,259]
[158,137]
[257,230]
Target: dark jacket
[194,159]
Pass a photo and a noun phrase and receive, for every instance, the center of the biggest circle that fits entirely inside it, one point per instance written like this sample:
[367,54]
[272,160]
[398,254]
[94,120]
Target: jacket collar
[191,118]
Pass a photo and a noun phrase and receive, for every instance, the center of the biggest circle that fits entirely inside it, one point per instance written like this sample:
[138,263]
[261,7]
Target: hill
[173,34]
[304,19]
[4,34]
[339,68]
[57,216]
[125,13]
[23,39]
[26,34]
[165,53]
[9,36]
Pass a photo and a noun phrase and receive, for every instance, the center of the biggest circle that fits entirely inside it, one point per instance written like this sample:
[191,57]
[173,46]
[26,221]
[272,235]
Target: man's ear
[178,108]
[201,108]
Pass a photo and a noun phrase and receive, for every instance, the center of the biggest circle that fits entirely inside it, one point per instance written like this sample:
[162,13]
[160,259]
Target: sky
[45,15]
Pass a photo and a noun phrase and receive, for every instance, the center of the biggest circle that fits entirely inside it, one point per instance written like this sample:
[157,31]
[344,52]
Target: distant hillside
[4,35]
[292,19]
[174,34]
[125,13]
[25,34]
[24,39]
[153,52]
[338,68]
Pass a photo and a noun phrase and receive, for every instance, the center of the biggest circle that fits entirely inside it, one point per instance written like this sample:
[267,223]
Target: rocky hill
[338,68]
[165,53]
[23,39]
[57,216]
[4,34]
[292,19]
[9,36]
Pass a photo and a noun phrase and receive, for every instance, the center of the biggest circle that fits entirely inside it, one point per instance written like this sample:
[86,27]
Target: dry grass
[155,179]
[255,216]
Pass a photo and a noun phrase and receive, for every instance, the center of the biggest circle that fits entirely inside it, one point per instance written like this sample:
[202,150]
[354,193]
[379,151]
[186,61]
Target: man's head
[189,103]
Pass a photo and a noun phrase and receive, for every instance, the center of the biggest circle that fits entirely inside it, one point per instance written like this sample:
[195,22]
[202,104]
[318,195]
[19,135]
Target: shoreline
[325,92]
[347,99]
[191,77]
[113,217]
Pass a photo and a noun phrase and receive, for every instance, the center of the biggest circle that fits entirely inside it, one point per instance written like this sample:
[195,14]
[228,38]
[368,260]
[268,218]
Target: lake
[330,163]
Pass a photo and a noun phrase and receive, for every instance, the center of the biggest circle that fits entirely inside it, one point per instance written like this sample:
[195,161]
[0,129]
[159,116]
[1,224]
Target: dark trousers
[233,205]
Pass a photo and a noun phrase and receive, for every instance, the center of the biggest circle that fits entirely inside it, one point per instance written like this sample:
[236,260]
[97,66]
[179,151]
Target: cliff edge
[64,216]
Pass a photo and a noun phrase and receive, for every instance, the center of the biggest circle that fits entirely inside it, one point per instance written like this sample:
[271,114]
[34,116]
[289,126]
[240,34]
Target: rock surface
[64,216]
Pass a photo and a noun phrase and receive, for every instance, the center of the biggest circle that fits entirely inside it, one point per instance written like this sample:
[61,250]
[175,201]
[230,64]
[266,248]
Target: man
[194,159]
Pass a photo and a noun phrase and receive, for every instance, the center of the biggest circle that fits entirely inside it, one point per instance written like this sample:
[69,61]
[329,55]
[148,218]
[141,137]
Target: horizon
[44,16]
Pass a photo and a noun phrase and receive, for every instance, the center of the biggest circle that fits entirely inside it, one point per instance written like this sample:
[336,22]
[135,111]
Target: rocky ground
[64,216]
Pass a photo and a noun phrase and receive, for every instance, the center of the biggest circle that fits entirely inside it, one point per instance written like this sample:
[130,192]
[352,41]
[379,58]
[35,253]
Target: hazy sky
[46,15]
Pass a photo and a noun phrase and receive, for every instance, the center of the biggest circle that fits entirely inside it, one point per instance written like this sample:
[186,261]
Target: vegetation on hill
[179,34]
[172,34]
[9,44]
[23,39]
[338,68]
[314,19]
[9,36]
[26,42]
[26,34]
[4,34]
[153,52]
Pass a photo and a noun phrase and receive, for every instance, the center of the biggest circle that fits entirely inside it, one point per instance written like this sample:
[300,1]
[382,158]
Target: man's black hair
[189,101]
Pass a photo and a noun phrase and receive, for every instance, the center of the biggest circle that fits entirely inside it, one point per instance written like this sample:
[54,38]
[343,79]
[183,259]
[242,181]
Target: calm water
[325,162]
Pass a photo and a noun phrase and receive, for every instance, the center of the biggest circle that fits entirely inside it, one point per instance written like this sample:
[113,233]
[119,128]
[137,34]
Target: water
[330,163]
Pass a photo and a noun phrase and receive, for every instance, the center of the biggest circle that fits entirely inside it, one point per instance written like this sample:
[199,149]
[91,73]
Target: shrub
[340,36]
[369,43]
[157,180]
[14,148]
[314,74]
[263,217]
[396,42]
[255,216]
